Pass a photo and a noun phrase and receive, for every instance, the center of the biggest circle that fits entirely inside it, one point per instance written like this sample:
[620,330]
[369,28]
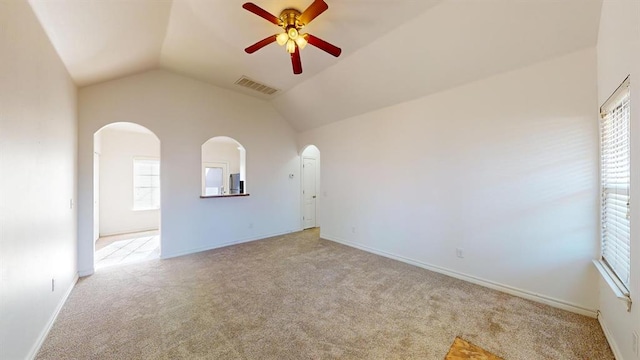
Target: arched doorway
[310,179]
[126,192]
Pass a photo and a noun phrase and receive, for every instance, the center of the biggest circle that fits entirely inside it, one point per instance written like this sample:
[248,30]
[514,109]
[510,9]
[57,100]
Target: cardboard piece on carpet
[463,350]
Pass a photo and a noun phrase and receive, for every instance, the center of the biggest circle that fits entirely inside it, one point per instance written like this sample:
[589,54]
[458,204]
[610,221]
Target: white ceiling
[100,40]
[393,50]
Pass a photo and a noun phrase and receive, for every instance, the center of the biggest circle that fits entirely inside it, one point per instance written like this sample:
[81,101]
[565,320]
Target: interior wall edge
[610,338]
[87,272]
[45,331]
[164,256]
[525,294]
[130,231]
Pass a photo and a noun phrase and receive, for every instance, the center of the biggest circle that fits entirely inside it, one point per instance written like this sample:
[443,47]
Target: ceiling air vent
[248,83]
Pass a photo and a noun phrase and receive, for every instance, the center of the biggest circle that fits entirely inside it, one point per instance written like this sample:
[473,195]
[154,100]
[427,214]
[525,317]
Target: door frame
[318,158]
[315,218]
[225,174]
[96,196]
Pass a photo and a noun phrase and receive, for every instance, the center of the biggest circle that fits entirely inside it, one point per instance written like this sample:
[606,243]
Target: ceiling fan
[292,21]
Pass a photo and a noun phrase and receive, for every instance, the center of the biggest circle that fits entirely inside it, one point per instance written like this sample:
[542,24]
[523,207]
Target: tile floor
[127,249]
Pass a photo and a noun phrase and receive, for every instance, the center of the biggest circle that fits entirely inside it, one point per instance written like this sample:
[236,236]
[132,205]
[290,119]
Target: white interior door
[215,178]
[309,192]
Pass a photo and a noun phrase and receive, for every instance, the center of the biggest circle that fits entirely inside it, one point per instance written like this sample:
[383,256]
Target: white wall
[619,56]
[118,149]
[504,168]
[38,180]
[185,113]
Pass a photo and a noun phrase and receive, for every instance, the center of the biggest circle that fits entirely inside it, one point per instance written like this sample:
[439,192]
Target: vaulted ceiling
[393,50]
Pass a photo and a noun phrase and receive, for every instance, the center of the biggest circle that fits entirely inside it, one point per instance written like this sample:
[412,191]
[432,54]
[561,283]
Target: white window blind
[615,182]
[146,184]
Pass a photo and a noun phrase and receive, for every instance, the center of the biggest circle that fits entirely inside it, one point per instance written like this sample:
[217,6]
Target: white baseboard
[561,304]
[217,246]
[129,231]
[83,273]
[610,339]
[43,334]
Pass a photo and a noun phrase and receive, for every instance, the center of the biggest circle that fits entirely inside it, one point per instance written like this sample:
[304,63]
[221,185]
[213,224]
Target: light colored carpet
[300,297]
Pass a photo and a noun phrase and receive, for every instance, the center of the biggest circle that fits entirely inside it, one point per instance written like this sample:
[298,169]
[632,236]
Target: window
[146,184]
[615,183]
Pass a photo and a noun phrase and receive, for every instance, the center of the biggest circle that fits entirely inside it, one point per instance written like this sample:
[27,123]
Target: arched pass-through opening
[223,168]
[126,195]
[310,186]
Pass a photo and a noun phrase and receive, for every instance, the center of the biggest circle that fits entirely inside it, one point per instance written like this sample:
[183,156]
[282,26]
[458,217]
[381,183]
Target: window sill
[618,289]
[222,196]
[145,209]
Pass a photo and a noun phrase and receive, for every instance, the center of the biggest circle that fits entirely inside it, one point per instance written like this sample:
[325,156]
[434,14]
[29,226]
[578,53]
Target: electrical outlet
[635,344]
[53,285]
[460,253]
[353,229]
[250,225]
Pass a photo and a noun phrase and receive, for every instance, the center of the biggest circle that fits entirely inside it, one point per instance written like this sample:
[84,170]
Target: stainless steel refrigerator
[234,184]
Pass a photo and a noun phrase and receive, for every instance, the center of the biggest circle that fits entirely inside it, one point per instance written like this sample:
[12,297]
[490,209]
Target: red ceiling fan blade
[260,44]
[296,62]
[323,45]
[261,12]
[315,9]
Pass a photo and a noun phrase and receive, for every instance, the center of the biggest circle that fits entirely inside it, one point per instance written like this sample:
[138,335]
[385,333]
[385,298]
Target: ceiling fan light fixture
[291,46]
[301,41]
[293,33]
[282,38]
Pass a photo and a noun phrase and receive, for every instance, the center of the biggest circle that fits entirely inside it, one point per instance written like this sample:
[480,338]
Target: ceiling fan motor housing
[289,18]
